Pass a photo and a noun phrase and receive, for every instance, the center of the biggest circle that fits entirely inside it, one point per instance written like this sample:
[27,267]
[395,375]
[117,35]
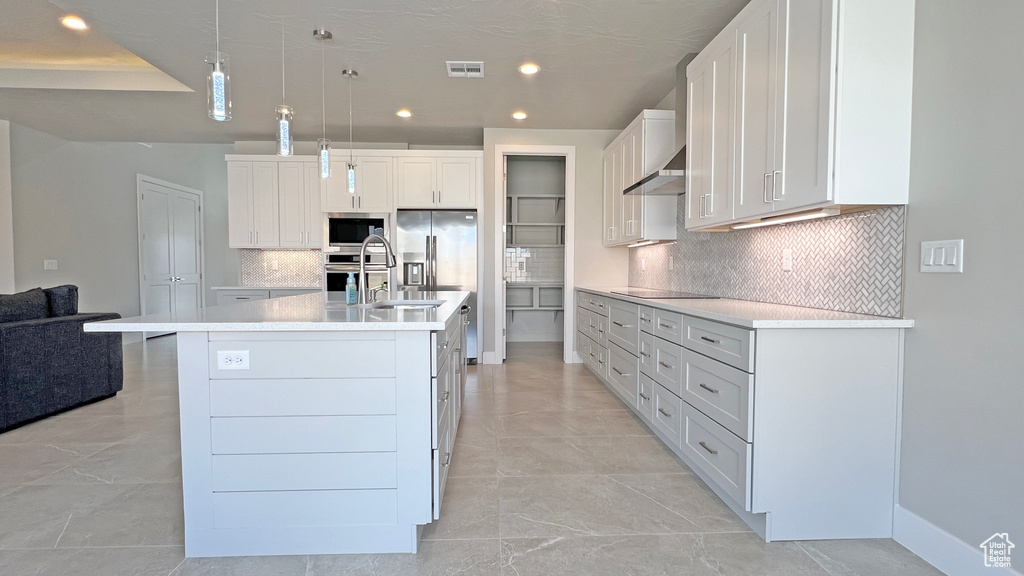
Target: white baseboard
[940,548]
[491,358]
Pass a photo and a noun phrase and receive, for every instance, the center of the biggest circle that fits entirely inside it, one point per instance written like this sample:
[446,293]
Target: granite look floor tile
[880,557]
[686,494]
[144,515]
[469,510]
[477,428]
[662,555]
[434,558]
[549,506]
[474,458]
[69,428]
[478,404]
[38,516]
[585,455]
[24,463]
[244,566]
[125,463]
[136,561]
[570,423]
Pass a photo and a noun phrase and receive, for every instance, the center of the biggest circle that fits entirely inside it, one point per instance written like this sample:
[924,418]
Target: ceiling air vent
[464,69]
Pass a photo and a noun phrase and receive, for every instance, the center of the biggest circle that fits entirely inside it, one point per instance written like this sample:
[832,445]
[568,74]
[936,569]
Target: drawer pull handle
[665,414]
[645,354]
[447,460]
[706,339]
[444,398]
[705,446]
[664,365]
[665,326]
[622,325]
[708,388]
[648,398]
[619,372]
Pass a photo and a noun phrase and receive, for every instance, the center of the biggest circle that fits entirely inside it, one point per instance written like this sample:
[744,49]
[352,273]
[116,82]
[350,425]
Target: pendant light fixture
[351,74]
[218,79]
[284,113]
[323,145]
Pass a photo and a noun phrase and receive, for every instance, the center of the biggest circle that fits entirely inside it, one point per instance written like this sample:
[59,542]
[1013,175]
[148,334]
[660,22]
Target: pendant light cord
[323,90]
[216,20]
[350,159]
[282,61]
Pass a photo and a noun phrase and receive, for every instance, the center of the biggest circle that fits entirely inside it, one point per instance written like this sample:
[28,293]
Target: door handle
[764,190]
[705,446]
[433,271]
[775,184]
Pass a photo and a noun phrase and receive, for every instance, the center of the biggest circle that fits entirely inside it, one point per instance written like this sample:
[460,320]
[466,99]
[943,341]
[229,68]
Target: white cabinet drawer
[668,325]
[667,413]
[719,453]
[304,508]
[667,363]
[582,318]
[645,397]
[722,392]
[645,314]
[597,360]
[441,390]
[353,471]
[623,369]
[646,353]
[623,325]
[593,303]
[284,292]
[321,397]
[298,434]
[597,329]
[232,296]
[730,344]
[582,345]
[442,459]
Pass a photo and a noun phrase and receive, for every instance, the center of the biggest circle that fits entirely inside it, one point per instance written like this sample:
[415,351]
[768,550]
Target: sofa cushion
[63,300]
[28,305]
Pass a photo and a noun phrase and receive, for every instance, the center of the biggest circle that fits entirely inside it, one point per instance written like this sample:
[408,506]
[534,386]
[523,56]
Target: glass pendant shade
[285,147]
[218,87]
[323,147]
[351,179]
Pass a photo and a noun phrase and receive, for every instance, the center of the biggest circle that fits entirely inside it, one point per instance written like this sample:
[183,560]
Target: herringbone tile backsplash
[851,263]
[294,267]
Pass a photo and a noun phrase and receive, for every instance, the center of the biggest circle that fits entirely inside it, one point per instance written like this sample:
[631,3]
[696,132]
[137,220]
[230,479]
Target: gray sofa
[48,364]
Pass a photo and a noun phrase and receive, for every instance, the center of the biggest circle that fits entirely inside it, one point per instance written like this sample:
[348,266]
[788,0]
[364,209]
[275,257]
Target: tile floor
[551,475]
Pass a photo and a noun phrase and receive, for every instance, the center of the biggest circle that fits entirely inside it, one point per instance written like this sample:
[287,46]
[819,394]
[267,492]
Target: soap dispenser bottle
[351,291]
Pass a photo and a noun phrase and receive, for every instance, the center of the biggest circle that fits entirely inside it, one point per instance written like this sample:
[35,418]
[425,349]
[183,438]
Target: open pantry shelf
[534,297]
[535,220]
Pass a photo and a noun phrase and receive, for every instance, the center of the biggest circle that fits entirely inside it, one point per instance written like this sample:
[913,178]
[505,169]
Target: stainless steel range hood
[670,179]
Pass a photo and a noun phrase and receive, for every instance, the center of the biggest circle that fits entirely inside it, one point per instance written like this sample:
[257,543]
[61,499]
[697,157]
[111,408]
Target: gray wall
[962,463]
[6,214]
[75,202]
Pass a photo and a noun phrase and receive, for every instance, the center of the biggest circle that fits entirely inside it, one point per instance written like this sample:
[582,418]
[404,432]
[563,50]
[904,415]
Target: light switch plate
[787,259]
[942,257]
[49,264]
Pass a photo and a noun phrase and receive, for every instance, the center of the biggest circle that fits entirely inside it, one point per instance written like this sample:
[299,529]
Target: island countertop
[321,311]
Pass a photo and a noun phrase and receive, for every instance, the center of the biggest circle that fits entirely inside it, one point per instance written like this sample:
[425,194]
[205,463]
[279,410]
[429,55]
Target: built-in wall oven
[345,234]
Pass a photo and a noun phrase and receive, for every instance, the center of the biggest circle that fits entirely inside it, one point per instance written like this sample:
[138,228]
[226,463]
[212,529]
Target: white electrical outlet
[942,256]
[671,263]
[643,264]
[232,360]
[49,264]
[273,265]
[787,259]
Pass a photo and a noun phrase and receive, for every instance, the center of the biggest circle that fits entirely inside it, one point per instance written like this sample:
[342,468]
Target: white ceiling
[602,62]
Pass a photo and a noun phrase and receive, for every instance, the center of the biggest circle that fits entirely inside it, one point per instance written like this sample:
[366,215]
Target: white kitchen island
[312,427]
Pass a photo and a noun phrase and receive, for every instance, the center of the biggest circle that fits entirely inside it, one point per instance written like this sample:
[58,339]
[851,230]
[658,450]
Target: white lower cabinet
[242,294]
[802,447]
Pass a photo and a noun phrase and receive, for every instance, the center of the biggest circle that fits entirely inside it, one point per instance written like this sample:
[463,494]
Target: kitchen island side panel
[825,431]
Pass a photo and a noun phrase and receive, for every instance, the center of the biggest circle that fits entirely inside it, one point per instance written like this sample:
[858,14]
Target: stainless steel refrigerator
[437,250]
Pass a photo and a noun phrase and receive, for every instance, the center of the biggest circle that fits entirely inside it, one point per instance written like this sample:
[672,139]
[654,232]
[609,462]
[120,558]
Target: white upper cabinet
[253,205]
[374,186]
[274,205]
[643,147]
[819,116]
[437,182]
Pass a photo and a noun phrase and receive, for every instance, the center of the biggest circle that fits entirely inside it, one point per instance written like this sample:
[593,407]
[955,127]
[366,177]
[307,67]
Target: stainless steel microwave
[351,229]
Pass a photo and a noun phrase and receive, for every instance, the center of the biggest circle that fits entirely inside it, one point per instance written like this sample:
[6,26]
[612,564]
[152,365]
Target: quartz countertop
[758,314]
[320,311]
[267,288]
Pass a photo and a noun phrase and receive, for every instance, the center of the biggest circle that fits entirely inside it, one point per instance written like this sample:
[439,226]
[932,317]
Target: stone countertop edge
[748,314]
[317,312]
[267,288]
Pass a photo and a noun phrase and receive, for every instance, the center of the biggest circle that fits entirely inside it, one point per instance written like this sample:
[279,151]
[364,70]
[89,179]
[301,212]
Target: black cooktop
[652,294]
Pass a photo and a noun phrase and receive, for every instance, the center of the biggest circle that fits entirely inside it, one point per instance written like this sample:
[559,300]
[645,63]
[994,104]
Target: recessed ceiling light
[519,115]
[403,113]
[529,69]
[74,22]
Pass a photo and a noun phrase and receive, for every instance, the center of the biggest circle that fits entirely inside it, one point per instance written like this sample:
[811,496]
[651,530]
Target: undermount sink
[407,304]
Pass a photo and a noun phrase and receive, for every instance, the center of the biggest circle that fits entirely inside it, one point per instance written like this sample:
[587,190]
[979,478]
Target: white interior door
[501,262]
[170,248]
